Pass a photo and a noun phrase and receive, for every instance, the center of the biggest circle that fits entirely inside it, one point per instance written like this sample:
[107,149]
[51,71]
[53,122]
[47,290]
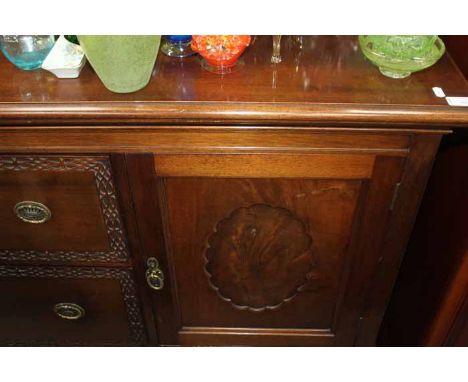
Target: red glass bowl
[221,52]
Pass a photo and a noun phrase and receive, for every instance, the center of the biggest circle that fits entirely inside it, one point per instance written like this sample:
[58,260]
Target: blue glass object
[26,52]
[178,38]
[177,45]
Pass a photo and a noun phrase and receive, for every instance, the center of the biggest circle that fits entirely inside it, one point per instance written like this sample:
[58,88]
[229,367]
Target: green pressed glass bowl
[399,56]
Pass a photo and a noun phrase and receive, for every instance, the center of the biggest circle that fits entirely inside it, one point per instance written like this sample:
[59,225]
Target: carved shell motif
[259,257]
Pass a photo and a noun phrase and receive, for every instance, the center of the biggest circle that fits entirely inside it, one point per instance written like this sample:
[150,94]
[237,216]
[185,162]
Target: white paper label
[457,101]
[438,92]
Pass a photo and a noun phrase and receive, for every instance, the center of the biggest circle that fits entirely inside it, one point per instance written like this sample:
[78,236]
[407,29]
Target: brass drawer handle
[32,212]
[154,275]
[69,310]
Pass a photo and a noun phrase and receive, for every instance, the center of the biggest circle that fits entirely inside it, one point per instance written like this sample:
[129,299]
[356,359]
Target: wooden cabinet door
[267,249]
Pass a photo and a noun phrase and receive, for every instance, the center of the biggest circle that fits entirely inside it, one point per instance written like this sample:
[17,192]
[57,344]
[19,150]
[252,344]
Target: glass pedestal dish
[399,56]
[177,45]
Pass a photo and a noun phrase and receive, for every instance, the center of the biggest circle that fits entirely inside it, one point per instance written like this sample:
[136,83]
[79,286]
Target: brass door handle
[69,310]
[154,275]
[32,212]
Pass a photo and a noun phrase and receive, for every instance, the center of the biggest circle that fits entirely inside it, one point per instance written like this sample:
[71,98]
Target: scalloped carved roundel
[259,257]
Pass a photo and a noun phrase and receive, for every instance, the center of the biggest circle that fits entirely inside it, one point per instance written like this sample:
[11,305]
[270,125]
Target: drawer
[69,306]
[59,208]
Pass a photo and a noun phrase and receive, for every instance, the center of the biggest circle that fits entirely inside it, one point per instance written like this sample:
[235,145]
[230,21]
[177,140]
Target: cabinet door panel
[270,259]
[259,252]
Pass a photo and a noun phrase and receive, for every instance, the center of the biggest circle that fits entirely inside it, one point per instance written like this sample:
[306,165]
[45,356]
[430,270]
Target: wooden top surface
[328,82]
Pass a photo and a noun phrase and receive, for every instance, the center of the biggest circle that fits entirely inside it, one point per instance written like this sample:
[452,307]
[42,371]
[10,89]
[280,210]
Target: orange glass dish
[220,52]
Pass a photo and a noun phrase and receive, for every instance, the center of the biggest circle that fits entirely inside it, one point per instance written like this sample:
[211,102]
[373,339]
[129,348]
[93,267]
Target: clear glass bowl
[26,52]
[398,56]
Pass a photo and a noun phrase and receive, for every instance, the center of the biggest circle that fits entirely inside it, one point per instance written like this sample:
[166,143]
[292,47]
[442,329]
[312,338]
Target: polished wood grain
[207,139]
[327,82]
[76,224]
[266,166]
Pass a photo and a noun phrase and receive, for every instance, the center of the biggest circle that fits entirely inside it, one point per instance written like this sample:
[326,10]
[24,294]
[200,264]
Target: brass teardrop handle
[154,275]
[69,310]
[32,212]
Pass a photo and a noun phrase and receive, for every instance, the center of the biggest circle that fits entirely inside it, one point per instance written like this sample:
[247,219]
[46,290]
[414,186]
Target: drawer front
[69,306]
[59,208]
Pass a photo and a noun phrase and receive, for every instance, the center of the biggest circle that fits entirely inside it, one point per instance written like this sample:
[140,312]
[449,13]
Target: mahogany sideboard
[271,206]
